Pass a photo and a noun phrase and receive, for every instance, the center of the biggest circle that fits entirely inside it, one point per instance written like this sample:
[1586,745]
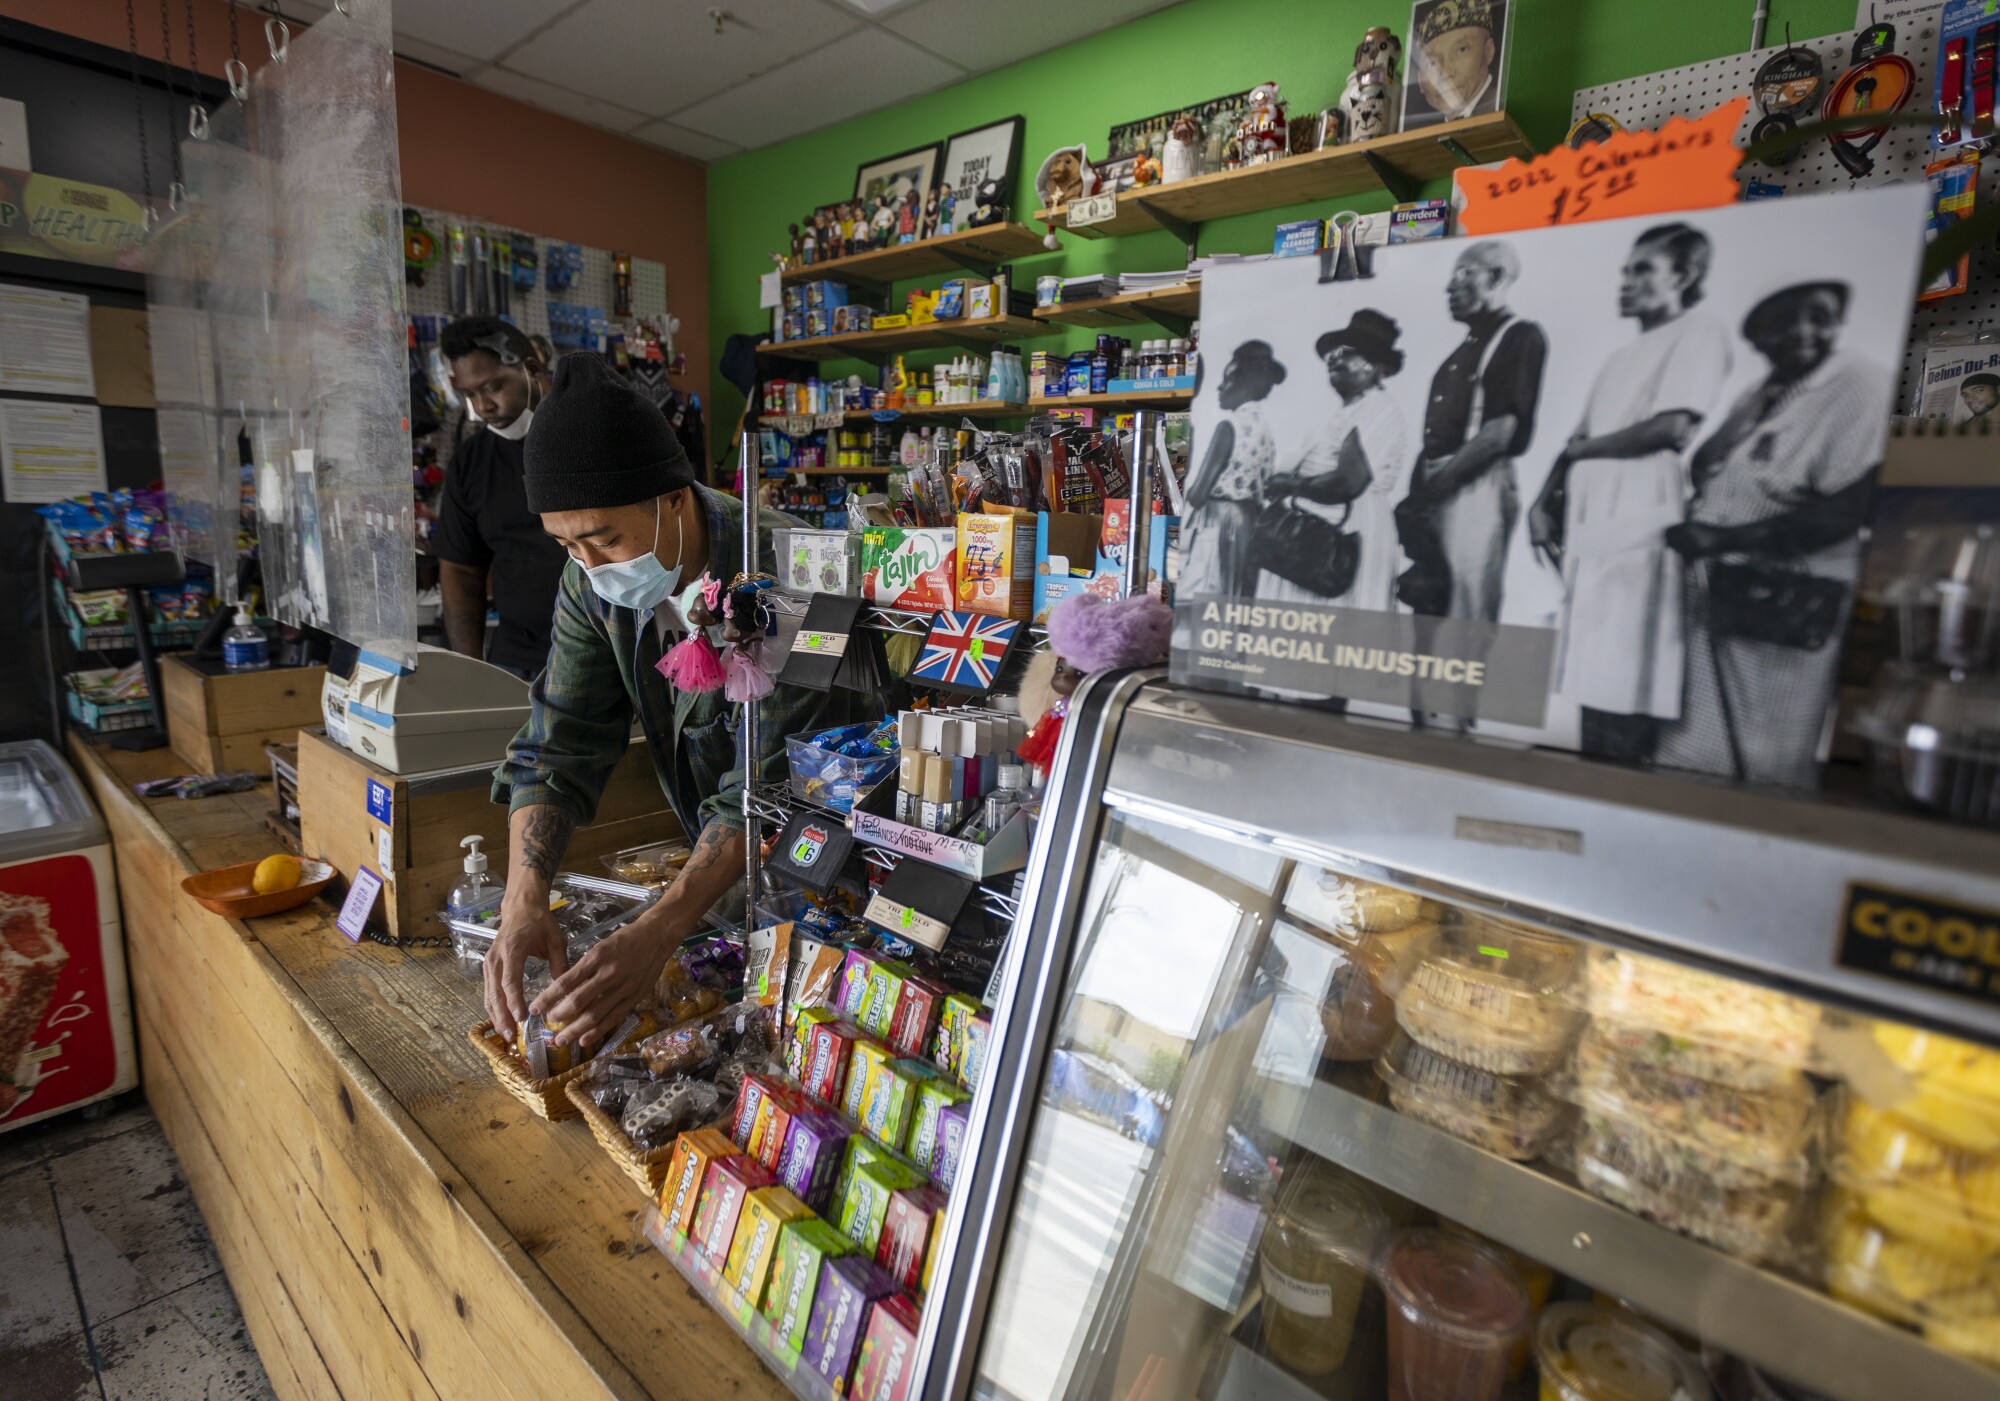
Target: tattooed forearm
[541,836]
[712,847]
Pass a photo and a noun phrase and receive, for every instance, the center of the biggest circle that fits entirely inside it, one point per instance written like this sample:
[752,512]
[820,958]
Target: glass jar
[1313,1263]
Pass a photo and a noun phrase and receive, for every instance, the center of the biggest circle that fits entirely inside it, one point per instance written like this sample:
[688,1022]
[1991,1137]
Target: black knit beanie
[596,442]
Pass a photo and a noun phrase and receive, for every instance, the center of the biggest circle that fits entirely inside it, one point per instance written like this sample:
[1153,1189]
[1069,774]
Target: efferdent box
[909,566]
[996,564]
[803,1248]
[815,1147]
[848,1284]
[729,1181]
[687,1171]
[888,1352]
[765,1212]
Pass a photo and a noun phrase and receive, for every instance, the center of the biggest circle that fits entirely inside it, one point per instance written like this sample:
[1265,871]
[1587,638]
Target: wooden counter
[395,1225]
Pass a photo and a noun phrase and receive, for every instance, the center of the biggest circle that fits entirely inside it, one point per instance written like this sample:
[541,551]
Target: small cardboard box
[1066,551]
[220,721]
[996,571]
[804,1247]
[909,567]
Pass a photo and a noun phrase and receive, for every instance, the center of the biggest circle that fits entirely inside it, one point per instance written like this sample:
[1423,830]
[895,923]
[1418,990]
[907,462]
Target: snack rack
[1117,1250]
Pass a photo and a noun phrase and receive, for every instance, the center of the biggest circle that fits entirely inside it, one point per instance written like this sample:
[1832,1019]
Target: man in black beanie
[614,488]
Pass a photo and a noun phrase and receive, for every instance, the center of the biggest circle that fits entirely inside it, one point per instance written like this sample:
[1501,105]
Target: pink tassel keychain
[748,680]
[692,664]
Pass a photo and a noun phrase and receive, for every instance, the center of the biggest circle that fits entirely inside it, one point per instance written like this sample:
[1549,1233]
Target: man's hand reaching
[588,1002]
[527,930]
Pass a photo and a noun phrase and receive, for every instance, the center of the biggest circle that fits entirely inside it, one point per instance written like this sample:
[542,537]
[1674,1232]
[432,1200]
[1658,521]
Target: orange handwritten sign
[1684,165]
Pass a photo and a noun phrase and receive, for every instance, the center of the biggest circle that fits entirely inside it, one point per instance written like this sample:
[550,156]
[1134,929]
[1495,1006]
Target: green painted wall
[1186,54]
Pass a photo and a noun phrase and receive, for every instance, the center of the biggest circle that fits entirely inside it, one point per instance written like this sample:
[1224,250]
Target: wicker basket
[545,1097]
[649,1170]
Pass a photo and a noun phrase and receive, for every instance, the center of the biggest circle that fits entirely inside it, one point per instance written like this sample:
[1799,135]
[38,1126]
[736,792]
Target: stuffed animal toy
[1087,634]
[989,205]
[1181,158]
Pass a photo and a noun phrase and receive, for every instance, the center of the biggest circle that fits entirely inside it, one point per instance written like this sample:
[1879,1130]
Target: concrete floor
[110,1289]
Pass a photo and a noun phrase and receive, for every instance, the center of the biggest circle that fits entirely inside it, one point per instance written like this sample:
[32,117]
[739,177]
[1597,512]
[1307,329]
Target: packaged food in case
[1492,995]
[954,1019]
[915,1021]
[933,1096]
[1358,1014]
[1699,1023]
[804,1247]
[1947,1087]
[848,1285]
[909,567]
[1651,1175]
[687,1172]
[866,1205]
[1312,1262]
[888,1352]
[890,1105]
[1511,1115]
[1344,904]
[1912,1182]
[1455,1312]
[756,1088]
[815,1144]
[773,1124]
[729,1180]
[864,1062]
[954,1122]
[1954,1298]
[829,1055]
[906,1232]
[851,991]
[798,1044]
[1590,1352]
[747,1267]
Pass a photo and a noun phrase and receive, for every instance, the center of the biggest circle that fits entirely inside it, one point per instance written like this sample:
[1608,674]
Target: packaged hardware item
[1513,1116]
[728,1182]
[1591,1352]
[865,1208]
[1456,1310]
[766,1212]
[687,1173]
[1698,1023]
[1313,1261]
[804,1247]
[906,1232]
[848,1285]
[888,1352]
[1492,996]
[1651,1175]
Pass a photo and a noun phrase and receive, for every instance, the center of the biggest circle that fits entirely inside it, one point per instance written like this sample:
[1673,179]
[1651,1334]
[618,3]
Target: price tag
[978,649]
[1097,209]
[354,911]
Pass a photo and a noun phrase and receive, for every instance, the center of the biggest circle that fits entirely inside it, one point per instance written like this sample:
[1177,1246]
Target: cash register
[415,708]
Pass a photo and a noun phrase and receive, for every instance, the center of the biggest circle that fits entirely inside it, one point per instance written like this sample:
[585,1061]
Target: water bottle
[244,648]
[477,890]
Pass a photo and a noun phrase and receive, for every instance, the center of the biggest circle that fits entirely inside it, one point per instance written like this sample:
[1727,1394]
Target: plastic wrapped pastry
[1491,995]
[1698,1023]
[1513,1116]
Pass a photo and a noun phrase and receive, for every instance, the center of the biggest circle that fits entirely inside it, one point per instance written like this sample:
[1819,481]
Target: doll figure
[844,229]
[883,225]
[1368,100]
[1180,158]
[931,215]
[809,242]
[1087,633]
[798,246]
[906,218]
[947,210]
[1262,134]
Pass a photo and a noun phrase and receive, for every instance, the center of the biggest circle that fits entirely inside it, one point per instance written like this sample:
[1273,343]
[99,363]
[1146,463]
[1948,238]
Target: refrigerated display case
[1345,1060]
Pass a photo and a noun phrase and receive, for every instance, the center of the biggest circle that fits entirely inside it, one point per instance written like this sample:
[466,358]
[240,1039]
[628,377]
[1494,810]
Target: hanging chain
[197,111]
[139,113]
[177,191]
[234,71]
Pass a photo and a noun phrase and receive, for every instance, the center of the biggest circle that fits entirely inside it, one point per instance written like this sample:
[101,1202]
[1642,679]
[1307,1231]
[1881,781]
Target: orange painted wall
[559,179]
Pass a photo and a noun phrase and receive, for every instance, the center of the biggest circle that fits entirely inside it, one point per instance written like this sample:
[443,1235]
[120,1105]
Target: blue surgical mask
[640,583]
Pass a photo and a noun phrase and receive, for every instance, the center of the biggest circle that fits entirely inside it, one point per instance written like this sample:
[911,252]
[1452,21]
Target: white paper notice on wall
[45,342]
[770,289]
[49,451]
[14,134]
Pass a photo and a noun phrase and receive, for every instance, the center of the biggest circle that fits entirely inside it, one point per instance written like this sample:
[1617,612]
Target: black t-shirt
[484,521]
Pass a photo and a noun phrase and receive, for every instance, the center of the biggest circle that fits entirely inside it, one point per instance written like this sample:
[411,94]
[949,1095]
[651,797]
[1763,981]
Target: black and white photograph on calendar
[1600,487]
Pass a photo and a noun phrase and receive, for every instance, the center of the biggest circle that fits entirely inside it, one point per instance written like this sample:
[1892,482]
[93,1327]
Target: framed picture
[990,152]
[895,176]
[1455,65]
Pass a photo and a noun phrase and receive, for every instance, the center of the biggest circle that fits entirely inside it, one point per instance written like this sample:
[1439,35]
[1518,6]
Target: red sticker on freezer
[56,1041]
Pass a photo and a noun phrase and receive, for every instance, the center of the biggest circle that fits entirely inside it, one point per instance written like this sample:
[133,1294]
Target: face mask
[640,583]
[518,429]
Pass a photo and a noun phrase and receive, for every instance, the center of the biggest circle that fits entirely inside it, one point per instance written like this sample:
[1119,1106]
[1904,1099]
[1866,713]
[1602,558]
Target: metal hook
[152,219]
[197,121]
[341,5]
[177,196]
[279,36]
[238,74]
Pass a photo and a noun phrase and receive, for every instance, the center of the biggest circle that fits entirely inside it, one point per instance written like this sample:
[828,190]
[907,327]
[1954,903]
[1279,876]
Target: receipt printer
[438,710]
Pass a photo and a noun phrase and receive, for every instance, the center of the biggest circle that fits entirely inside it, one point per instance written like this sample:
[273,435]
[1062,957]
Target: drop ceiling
[668,73]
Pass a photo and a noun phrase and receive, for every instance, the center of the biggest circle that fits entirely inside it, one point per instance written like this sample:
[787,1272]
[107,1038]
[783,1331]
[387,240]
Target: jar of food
[1588,1352]
[1313,1264]
[1455,1311]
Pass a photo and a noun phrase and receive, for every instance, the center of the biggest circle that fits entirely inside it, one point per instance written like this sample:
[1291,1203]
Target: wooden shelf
[969,250]
[1399,164]
[983,408]
[1142,399]
[830,472]
[1179,305]
[932,335]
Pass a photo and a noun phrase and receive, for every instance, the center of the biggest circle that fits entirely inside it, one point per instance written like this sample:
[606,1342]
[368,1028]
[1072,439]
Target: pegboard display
[1647,102]
[528,308]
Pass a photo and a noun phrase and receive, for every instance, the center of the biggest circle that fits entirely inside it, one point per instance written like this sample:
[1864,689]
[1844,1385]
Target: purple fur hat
[1100,634]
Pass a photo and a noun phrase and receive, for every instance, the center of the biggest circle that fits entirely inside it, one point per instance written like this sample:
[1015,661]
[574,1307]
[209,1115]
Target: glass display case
[1350,1061]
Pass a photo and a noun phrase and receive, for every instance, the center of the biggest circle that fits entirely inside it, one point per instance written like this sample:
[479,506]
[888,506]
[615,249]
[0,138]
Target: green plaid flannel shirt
[602,669]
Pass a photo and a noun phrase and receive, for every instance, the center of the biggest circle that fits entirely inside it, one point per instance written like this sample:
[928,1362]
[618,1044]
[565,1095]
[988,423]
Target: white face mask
[518,429]
[642,583]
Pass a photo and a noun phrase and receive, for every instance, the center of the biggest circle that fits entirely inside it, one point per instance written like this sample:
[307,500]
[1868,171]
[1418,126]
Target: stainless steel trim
[1803,1335]
[1024,1021]
[1744,879]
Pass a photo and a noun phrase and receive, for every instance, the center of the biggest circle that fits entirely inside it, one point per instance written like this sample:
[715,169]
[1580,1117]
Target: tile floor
[110,1289]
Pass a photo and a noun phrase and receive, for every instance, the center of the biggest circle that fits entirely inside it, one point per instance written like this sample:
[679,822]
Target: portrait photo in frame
[1455,64]
[915,169]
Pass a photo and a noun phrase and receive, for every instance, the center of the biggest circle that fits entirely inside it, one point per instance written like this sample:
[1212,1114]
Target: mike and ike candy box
[687,1171]
[729,1181]
[804,1247]
[848,1284]
[888,1351]
[747,1267]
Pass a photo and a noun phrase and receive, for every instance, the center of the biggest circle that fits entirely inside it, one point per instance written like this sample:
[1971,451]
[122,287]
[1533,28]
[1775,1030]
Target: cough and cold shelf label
[1923,942]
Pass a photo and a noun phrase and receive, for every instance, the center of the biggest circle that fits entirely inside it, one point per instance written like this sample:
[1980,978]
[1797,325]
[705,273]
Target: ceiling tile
[983,37]
[683,142]
[481,28]
[459,63]
[658,56]
[562,101]
[863,72]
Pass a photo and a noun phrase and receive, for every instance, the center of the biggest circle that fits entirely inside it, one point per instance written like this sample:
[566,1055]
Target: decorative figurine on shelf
[1303,133]
[1145,170]
[847,228]
[947,209]
[798,246]
[809,242]
[1262,134]
[1368,100]
[1087,633]
[930,229]
[906,218]
[989,205]
[1065,176]
[882,227]
[1180,159]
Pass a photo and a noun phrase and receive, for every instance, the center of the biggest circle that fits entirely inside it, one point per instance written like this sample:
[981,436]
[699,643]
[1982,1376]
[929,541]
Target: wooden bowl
[227,891]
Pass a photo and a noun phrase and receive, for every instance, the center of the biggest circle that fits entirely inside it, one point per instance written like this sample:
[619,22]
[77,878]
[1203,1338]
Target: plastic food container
[655,865]
[1920,1187]
[1697,1023]
[1933,741]
[1741,1137]
[1492,996]
[586,909]
[1948,1088]
[1588,1352]
[1941,596]
[833,780]
[1872,1267]
[1358,1014]
[1650,1176]
[1345,904]
[1513,1116]
[1313,1264]
[1455,1312]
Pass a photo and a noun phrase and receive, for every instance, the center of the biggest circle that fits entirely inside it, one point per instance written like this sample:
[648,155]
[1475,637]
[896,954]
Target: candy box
[978,1035]
[891,1100]
[804,1247]
[815,1148]
[848,1284]
[909,566]
[888,1352]
[749,1099]
[996,564]
[915,1020]
[729,1181]
[953,1019]
[829,1050]
[687,1171]
[765,1213]
[850,992]
[953,1122]
[906,1233]
[861,1151]
[798,1048]
[863,1065]
[933,1098]
[774,1121]
[885,993]
[866,1206]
